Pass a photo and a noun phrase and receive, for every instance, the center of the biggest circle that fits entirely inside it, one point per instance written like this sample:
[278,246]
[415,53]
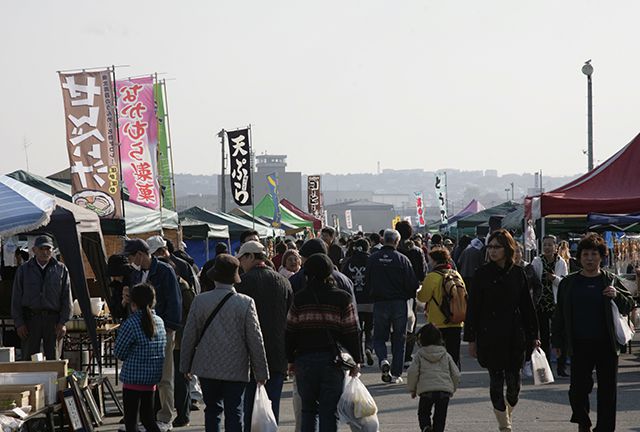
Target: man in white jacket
[550,268]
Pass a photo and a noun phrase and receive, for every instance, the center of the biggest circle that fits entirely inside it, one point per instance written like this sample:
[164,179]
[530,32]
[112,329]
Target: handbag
[624,332]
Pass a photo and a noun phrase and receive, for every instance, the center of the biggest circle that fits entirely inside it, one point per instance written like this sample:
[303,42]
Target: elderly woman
[291,263]
[501,324]
[583,329]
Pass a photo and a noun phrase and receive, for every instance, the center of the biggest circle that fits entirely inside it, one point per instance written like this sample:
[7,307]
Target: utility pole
[587,69]
[223,187]
[512,196]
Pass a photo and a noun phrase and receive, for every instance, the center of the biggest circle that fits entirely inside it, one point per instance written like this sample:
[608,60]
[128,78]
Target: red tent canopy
[612,187]
[317,223]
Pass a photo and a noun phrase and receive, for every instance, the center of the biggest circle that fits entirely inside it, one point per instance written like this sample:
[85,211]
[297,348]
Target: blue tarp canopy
[22,208]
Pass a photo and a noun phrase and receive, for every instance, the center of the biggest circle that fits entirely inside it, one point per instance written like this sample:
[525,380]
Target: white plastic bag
[541,370]
[356,402]
[624,332]
[263,419]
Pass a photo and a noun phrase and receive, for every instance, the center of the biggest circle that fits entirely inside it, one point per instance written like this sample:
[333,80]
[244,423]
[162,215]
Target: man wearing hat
[41,301]
[168,307]
[272,295]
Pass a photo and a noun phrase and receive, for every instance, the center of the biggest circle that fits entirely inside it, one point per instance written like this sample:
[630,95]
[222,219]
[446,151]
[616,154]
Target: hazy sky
[339,85]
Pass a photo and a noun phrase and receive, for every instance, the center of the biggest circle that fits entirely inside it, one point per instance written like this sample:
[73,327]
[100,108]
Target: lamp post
[587,69]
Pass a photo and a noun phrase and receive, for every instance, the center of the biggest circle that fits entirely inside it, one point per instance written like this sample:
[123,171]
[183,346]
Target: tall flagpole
[158,175]
[251,159]
[170,145]
[117,127]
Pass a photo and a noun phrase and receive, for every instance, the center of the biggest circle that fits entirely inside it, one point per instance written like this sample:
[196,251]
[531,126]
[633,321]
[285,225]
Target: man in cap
[272,295]
[41,301]
[168,307]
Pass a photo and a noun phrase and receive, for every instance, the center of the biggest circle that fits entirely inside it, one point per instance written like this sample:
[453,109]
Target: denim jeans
[388,314]
[320,385]
[274,390]
[222,396]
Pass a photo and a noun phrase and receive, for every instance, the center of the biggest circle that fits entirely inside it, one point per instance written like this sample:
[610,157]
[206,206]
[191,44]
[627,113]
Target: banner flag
[347,219]
[313,196]
[272,182]
[442,200]
[164,166]
[91,142]
[138,126]
[394,221]
[240,162]
[420,209]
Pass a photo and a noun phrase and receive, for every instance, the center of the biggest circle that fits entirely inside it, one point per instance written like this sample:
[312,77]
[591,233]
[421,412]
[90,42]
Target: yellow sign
[394,221]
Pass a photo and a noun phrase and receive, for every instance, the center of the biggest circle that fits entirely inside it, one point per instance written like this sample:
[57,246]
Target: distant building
[491,173]
[373,216]
[290,183]
[331,197]
[206,201]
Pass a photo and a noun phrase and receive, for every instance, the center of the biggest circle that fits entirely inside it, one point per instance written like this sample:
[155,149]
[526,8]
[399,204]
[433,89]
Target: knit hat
[318,266]
[313,246]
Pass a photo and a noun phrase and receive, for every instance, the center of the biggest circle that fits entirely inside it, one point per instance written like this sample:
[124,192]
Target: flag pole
[251,159]
[170,145]
[158,178]
[117,127]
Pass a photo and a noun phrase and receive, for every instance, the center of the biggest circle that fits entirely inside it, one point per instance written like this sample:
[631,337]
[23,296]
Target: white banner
[441,196]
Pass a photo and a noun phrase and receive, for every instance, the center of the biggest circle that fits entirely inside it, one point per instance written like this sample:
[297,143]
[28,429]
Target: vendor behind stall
[41,301]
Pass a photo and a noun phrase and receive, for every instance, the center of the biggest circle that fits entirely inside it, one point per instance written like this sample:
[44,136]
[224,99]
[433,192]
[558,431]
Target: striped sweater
[316,310]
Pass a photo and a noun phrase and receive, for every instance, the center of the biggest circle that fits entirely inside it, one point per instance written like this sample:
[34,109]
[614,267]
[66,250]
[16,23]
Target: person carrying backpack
[445,295]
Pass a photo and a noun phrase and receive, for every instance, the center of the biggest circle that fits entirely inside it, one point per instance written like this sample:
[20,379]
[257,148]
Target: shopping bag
[356,402]
[263,419]
[541,370]
[624,332]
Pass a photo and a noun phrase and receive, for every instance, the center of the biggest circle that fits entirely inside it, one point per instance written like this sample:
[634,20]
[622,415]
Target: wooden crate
[36,393]
[21,398]
[58,366]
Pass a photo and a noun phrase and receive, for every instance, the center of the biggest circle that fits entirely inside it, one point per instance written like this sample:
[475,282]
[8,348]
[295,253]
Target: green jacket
[562,332]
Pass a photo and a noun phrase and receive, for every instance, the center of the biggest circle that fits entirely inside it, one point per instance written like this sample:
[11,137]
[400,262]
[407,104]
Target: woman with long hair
[501,325]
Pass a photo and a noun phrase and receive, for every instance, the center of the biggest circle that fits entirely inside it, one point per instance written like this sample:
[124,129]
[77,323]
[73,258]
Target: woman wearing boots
[501,325]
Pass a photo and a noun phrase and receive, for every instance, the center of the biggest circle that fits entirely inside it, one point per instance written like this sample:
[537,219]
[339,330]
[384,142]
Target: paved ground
[540,409]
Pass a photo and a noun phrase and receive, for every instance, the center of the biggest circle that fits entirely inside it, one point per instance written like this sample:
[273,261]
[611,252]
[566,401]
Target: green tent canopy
[265,210]
[484,215]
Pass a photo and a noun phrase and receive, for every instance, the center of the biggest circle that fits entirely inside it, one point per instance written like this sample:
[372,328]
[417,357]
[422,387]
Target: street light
[587,69]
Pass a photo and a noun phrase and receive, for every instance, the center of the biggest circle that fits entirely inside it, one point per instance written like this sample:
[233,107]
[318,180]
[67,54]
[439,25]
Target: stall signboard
[420,209]
[347,219]
[313,196]
[441,196]
[240,160]
[91,141]
[138,127]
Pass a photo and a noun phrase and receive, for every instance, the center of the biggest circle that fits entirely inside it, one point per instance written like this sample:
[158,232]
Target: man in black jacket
[273,296]
[390,281]
[334,250]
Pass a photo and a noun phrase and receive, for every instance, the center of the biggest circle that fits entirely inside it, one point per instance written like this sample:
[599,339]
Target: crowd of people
[260,317]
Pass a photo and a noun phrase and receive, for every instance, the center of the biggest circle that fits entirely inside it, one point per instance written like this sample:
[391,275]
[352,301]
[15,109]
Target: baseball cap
[250,247]
[134,246]
[156,242]
[43,241]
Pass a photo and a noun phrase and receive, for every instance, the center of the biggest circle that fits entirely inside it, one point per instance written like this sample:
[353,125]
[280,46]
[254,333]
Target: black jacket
[354,268]
[299,281]
[273,296]
[500,317]
[390,276]
[418,262]
[562,331]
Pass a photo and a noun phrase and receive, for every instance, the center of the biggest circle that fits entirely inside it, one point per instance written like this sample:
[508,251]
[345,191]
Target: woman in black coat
[501,325]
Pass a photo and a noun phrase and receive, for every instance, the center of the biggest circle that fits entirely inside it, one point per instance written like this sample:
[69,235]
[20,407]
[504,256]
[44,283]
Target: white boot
[504,422]
[510,413]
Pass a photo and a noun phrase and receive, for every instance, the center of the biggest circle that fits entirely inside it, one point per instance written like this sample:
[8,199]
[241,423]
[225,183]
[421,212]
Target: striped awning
[22,207]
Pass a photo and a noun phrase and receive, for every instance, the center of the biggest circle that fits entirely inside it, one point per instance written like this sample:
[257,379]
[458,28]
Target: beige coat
[432,369]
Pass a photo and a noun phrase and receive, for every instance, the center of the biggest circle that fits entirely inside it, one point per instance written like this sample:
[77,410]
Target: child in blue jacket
[140,345]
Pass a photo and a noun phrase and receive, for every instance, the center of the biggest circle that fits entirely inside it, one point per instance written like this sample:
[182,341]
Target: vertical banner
[164,166]
[442,199]
[347,219]
[240,165]
[272,183]
[325,218]
[91,142]
[138,126]
[313,196]
[394,221]
[419,209]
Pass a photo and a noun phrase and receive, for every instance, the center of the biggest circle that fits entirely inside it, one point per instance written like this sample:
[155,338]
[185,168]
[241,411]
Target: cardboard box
[7,354]
[47,379]
[36,393]
[57,366]
[21,398]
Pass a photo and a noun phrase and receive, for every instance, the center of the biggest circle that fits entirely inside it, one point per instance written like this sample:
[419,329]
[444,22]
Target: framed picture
[93,407]
[72,411]
[114,395]
[81,404]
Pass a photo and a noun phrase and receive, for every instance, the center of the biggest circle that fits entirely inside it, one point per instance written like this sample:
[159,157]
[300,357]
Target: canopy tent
[472,208]
[610,188]
[265,209]
[235,224]
[75,230]
[627,222]
[317,223]
[138,219]
[285,228]
[201,238]
[484,215]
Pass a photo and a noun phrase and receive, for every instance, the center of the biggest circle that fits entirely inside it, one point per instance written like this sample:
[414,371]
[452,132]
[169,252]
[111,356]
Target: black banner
[313,196]
[240,165]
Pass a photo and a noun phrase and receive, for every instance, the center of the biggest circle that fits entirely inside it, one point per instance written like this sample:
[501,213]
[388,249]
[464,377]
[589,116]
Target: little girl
[434,376]
[140,345]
